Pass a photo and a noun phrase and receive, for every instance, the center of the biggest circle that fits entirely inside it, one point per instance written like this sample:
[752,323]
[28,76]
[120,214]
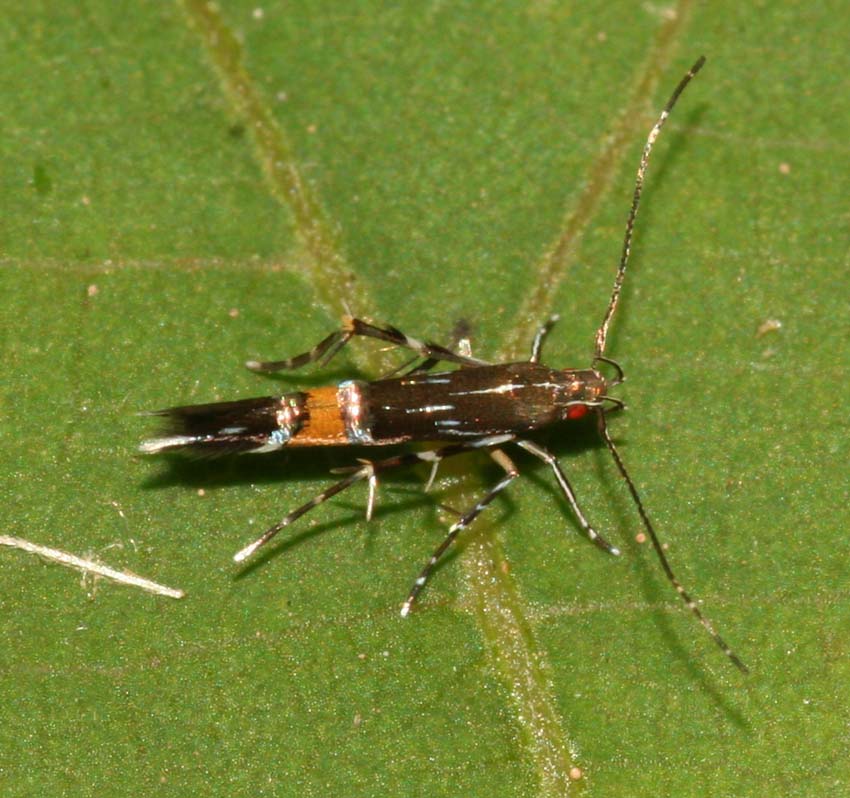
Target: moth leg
[328,347]
[547,457]
[542,332]
[464,521]
[366,471]
[460,343]
[325,350]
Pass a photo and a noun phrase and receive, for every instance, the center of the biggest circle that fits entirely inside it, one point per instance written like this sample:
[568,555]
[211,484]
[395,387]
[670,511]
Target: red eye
[576,412]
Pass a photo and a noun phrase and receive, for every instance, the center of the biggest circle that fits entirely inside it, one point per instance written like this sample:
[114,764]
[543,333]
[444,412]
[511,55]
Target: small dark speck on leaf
[41,180]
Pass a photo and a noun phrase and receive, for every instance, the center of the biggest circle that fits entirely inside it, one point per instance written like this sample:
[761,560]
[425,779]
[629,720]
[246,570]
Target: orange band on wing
[323,422]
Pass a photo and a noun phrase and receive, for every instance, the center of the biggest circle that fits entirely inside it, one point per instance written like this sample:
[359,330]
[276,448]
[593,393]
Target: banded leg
[547,457]
[459,342]
[370,475]
[368,470]
[542,332]
[465,350]
[326,349]
[465,520]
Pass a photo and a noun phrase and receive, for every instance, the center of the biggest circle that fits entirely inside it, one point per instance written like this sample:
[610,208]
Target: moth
[477,405]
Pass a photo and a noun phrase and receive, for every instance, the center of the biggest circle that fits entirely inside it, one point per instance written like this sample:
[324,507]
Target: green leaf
[187,187]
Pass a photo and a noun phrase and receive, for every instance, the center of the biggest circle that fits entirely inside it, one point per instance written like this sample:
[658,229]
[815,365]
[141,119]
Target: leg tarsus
[465,520]
[547,457]
[325,350]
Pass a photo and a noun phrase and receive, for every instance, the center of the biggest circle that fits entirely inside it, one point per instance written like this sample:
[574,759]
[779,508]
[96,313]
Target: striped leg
[465,520]
[327,348]
[324,351]
[547,457]
[368,471]
[459,342]
[542,332]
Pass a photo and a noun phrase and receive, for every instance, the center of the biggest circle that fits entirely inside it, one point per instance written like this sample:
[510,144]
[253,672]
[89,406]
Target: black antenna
[659,550]
[601,338]
[602,332]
